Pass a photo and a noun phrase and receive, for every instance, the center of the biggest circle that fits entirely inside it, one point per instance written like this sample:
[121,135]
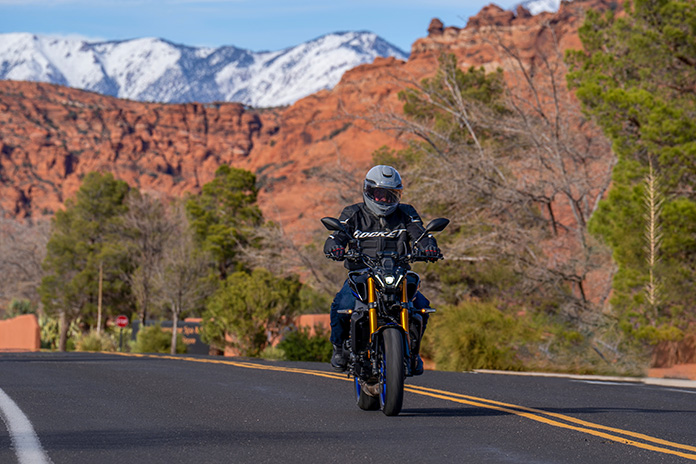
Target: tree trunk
[175,323]
[99,301]
[63,331]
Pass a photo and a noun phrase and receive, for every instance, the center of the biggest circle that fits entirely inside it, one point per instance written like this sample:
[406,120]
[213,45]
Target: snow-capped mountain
[539,6]
[152,69]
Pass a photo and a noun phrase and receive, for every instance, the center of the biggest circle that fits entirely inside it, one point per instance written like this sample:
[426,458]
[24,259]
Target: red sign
[122,321]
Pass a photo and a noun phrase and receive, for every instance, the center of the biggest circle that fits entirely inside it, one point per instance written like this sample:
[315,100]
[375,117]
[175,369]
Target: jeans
[344,299]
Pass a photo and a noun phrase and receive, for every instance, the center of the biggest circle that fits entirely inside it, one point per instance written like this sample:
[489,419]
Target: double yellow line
[625,437]
[565,422]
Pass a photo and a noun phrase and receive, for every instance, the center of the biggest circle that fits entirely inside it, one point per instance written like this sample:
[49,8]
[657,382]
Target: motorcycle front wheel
[391,375]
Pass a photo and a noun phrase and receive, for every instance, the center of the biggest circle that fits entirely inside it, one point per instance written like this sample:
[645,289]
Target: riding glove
[432,253]
[336,253]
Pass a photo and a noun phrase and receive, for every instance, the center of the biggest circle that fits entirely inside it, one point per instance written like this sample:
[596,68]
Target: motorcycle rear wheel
[365,401]
[391,376]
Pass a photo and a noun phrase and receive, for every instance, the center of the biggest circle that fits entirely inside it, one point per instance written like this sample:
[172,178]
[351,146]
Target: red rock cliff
[51,136]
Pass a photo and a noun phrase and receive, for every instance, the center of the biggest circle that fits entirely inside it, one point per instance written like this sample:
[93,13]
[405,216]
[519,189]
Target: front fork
[372,305]
[404,316]
[412,325]
[404,309]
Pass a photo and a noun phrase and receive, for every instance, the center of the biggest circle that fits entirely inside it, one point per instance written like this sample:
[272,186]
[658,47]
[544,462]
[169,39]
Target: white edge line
[670,382]
[24,439]
[601,378]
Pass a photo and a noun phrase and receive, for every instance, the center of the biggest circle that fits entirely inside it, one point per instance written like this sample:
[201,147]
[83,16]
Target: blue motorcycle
[385,328]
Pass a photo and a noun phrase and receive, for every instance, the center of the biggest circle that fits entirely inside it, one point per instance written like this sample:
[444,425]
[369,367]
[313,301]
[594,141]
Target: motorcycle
[385,328]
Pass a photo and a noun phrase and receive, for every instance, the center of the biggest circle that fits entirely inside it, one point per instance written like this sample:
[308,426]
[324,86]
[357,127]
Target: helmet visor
[383,195]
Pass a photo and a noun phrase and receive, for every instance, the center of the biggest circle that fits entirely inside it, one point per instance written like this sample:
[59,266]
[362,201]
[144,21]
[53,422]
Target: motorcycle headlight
[389,279]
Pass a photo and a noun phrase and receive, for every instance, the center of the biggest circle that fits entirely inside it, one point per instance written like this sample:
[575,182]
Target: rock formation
[51,136]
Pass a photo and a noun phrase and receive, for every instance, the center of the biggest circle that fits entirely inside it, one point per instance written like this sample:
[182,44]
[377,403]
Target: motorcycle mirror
[333,224]
[437,225]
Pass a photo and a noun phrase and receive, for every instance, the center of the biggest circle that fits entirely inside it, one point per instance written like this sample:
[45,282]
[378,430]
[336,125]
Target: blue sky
[252,24]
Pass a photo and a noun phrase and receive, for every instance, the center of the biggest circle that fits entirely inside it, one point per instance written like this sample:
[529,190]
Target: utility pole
[99,300]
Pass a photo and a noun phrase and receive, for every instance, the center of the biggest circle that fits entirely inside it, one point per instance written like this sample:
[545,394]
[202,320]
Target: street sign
[122,321]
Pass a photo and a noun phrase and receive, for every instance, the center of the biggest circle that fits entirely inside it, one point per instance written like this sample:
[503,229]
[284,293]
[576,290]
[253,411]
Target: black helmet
[382,190]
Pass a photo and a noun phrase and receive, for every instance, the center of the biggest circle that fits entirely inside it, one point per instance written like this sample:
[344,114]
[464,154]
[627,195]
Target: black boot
[338,360]
[416,332]
[417,368]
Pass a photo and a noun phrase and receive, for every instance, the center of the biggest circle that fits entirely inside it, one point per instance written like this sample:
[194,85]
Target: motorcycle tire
[391,376]
[365,401]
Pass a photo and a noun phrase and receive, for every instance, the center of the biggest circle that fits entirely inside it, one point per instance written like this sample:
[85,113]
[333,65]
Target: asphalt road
[108,408]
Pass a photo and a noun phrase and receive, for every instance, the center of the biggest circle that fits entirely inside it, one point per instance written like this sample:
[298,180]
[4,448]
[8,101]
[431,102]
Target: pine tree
[223,215]
[84,238]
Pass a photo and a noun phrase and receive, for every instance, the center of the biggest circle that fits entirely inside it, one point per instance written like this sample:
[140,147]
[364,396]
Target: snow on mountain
[152,69]
[540,6]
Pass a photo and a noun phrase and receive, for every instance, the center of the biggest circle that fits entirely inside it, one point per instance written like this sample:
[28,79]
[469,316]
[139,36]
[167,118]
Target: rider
[380,223]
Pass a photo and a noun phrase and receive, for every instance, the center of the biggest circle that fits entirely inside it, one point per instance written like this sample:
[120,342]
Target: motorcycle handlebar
[420,257]
[357,256]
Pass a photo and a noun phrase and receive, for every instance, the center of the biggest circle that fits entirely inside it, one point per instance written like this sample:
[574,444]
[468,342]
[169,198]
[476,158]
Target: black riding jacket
[395,232]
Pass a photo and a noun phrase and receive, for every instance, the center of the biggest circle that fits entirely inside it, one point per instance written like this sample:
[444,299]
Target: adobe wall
[313,320]
[21,333]
[676,371]
[675,360]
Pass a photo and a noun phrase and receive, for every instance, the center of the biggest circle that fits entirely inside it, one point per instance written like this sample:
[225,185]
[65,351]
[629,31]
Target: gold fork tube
[371,304]
[404,309]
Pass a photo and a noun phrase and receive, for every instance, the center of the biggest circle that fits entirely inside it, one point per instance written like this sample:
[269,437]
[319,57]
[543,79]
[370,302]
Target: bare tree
[566,164]
[272,247]
[279,252]
[23,248]
[147,229]
[181,274]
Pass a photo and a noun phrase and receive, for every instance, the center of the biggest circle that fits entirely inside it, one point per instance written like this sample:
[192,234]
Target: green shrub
[50,333]
[152,339]
[477,335]
[313,301]
[605,350]
[123,337]
[93,341]
[273,353]
[481,335]
[299,345]
[19,308]
[247,306]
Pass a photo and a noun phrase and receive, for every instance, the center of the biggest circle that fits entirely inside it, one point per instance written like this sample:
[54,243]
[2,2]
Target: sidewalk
[661,381]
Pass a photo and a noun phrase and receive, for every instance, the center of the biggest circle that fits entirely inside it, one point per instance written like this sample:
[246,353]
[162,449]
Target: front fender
[377,336]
